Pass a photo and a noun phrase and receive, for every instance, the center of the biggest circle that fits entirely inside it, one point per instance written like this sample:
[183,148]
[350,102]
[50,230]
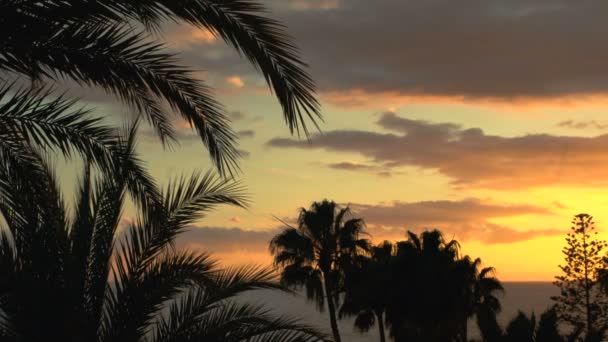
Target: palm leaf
[32,117]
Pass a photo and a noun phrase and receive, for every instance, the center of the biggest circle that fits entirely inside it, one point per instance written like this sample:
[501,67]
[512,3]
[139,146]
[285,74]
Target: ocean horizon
[525,296]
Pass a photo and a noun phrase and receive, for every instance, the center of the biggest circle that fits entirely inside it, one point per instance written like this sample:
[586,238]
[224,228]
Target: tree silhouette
[523,328]
[366,295]
[479,290]
[581,302]
[434,291]
[317,252]
[79,278]
[113,45]
[422,306]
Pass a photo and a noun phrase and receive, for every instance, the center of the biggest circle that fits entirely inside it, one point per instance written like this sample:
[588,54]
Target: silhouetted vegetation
[523,328]
[79,278]
[114,45]
[582,303]
[318,252]
[366,294]
[435,290]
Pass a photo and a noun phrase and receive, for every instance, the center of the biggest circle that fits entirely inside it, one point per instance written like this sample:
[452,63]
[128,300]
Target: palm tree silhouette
[113,45]
[317,252]
[480,288]
[524,328]
[81,277]
[365,289]
[434,291]
[422,304]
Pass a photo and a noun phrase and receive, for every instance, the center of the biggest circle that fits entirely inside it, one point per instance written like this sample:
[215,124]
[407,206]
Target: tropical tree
[524,328]
[581,302]
[521,328]
[317,253]
[114,45]
[479,291]
[423,296]
[434,291]
[82,277]
[366,295]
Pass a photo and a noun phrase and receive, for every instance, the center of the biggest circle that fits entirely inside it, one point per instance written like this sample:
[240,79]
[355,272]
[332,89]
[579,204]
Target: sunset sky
[486,120]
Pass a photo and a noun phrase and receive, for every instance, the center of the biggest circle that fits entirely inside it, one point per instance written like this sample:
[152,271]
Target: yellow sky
[493,134]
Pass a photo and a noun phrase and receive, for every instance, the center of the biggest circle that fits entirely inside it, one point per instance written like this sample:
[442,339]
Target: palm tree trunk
[381,326]
[332,311]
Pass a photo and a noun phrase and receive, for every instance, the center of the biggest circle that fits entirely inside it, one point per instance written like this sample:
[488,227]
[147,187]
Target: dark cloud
[497,48]
[469,156]
[590,124]
[248,133]
[501,49]
[468,219]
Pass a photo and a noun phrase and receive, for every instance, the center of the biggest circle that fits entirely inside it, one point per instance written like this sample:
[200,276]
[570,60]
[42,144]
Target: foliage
[434,291]
[523,328]
[86,277]
[366,296]
[317,253]
[581,302]
[114,45]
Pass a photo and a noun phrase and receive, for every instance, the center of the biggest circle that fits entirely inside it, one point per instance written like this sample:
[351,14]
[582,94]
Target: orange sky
[480,125]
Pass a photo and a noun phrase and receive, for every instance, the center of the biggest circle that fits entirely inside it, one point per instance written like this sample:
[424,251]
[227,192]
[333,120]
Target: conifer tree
[581,302]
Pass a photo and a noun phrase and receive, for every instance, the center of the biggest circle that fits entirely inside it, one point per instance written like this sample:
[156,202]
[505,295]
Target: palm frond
[126,63]
[131,172]
[32,116]
[134,303]
[227,321]
[186,200]
[107,202]
[241,23]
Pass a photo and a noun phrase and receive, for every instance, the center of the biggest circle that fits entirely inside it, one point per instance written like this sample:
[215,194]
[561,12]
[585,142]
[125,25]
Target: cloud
[501,49]
[185,36]
[559,205]
[310,5]
[222,240]
[235,81]
[350,166]
[231,246]
[470,157]
[248,133]
[468,219]
[237,115]
[590,124]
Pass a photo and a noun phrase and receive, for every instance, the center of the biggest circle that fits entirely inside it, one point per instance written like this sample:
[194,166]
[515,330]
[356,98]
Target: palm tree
[317,252]
[434,291]
[424,298]
[365,289]
[111,44]
[523,328]
[480,288]
[80,278]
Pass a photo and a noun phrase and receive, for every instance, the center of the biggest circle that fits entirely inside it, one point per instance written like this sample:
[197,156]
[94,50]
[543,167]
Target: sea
[529,297]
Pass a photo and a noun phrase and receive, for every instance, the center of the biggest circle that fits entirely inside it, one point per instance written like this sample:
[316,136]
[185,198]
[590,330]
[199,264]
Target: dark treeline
[424,289]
